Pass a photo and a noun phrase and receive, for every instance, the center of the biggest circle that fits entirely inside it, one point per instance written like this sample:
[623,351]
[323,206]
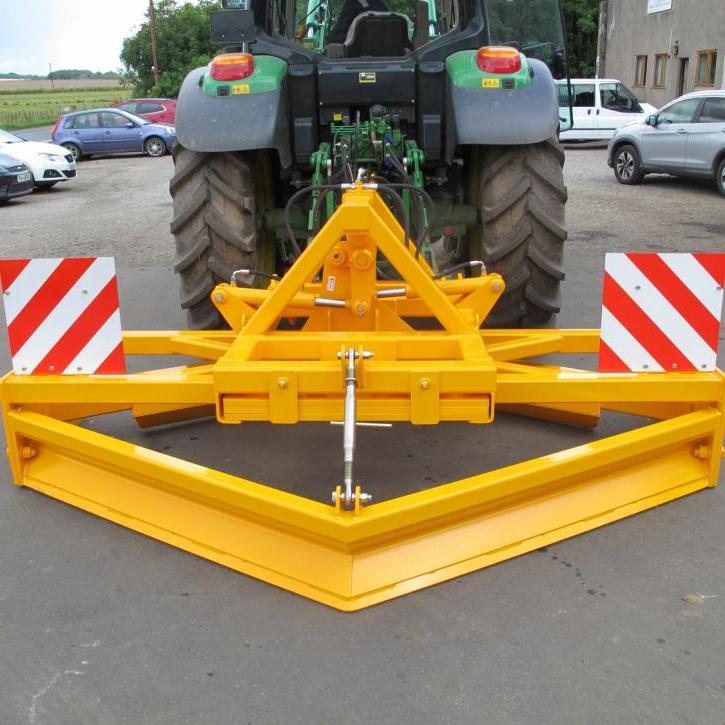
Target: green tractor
[450,104]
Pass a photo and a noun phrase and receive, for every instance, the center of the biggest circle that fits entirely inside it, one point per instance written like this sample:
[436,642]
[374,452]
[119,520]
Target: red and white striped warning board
[62,315]
[661,312]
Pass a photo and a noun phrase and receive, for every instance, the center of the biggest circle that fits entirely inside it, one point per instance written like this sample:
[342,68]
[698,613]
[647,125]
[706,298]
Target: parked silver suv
[684,138]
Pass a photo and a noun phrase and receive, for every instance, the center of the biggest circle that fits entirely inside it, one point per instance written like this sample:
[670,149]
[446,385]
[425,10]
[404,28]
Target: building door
[684,73]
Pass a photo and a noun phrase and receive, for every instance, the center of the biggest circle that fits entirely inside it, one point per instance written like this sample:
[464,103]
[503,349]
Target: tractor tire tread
[521,197]
[215,225]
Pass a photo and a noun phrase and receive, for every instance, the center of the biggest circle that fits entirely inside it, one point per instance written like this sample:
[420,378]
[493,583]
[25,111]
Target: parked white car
[600,107]
[48,163]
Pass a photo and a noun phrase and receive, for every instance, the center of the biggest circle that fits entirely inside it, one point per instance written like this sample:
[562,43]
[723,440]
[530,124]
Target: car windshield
[6,137]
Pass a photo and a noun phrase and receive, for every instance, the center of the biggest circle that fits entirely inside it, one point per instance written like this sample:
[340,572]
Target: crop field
[24,104]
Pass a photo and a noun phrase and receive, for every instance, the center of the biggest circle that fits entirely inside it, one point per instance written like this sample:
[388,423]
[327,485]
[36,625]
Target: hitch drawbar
[359,358]
[350,496]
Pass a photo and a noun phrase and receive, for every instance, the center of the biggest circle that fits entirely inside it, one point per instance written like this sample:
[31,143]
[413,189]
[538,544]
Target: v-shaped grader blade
[359,358]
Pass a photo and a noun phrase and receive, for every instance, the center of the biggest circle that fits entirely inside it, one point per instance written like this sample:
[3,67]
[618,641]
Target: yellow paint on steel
[347,560]
[353,559]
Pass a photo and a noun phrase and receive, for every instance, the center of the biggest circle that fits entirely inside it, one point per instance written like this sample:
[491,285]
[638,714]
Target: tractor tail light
[499,59]
[232,66]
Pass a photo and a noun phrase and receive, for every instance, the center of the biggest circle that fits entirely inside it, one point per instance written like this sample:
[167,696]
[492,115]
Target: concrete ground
[39,133]
[101,625]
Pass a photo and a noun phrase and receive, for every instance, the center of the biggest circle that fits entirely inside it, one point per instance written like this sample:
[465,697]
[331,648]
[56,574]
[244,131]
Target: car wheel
[720,177]
[154,146]
[627,166]
[74,150]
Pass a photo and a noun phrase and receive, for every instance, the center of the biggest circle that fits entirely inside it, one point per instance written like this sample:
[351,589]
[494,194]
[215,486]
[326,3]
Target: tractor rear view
[454,101]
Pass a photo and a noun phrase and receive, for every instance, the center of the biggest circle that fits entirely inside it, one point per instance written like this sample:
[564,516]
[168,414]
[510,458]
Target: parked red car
[156,110]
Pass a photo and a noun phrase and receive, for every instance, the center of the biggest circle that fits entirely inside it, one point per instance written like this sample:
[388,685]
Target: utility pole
[50,75]
[154,47]
[601,69]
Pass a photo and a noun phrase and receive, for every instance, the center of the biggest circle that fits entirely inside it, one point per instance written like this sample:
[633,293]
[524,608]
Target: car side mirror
[130,124]
[652,121]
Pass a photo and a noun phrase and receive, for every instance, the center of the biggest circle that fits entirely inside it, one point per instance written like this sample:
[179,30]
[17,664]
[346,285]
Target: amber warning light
[499,60]
[232,66]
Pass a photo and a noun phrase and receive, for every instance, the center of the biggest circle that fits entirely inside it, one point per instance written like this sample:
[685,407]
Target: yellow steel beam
[347,560]
[590,387]
[569,341]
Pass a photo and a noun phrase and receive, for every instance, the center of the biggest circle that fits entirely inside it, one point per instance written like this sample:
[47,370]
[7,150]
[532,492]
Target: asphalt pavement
[40,133]
[101,625]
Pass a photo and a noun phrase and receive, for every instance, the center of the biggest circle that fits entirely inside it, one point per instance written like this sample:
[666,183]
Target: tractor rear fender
[487,116]
[238,122]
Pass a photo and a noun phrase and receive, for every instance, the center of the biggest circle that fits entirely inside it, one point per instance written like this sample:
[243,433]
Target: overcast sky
[67,33]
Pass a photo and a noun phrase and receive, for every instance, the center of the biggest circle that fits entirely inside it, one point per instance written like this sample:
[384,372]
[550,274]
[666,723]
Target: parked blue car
[110,131]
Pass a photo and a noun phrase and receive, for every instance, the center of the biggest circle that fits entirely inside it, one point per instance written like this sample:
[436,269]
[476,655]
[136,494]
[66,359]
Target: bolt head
[219,297]
[496,286]
[282,383]
[424,384]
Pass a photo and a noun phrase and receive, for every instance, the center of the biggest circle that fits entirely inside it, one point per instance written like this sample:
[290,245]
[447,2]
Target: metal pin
[392,292]
[363,424]
[327,302]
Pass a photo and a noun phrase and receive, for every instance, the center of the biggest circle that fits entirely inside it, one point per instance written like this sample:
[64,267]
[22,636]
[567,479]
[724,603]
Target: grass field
[24,104]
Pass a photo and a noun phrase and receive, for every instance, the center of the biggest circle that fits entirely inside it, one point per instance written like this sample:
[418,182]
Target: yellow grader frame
[358,359]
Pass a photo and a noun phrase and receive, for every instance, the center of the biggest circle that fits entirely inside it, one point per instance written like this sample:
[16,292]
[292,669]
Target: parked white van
[600,106]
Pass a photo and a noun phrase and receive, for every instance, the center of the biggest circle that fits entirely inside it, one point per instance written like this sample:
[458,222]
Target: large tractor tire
[521,196]
[219,201]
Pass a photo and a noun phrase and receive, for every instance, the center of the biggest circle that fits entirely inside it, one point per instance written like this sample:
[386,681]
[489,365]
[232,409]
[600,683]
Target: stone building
[662,48]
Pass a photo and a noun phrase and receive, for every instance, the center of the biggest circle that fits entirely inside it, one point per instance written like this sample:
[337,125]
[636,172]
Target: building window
[640,70]
[706,62]
[660,71]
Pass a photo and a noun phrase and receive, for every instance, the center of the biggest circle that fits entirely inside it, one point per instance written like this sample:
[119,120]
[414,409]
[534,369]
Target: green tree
[183,42]
[581,19]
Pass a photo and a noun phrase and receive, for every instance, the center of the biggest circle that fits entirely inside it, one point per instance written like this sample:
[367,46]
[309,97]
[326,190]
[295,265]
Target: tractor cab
[396,28]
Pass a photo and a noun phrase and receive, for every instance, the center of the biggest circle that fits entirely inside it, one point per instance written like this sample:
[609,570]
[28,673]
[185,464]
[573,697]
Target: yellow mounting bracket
[261,370]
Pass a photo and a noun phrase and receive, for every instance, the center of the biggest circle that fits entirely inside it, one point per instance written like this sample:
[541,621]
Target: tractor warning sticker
[368,77]
[240,89]
[331,283]
[491,82]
